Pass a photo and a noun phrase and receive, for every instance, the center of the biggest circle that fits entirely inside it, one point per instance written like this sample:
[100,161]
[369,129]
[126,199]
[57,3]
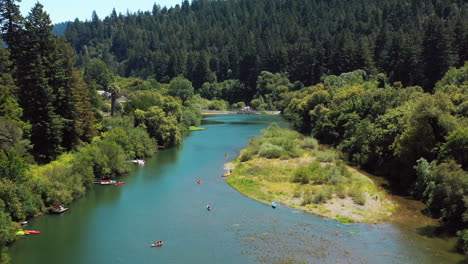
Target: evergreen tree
[438,54]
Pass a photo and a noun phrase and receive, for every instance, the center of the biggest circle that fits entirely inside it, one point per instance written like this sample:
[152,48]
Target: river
[162,201]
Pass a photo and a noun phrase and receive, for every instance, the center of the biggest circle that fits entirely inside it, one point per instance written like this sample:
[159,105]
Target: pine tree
[35,76]
[438,54]
[11,23]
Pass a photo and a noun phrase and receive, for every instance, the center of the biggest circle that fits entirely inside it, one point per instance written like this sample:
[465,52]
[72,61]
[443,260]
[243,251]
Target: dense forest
[413,42]
[385,82]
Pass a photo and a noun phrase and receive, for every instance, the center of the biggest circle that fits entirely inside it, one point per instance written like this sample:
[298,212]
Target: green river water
[162,201]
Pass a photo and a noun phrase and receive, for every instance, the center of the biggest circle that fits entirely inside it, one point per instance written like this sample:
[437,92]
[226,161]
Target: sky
[65,10]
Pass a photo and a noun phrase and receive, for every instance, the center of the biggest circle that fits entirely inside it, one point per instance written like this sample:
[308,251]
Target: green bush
[308,197]
[301,175]
[341,191]
[317,173]
[334,175]
[297,193]
[246,156]
[322,195]
[358,196]
[310,143]
[327,156]
[462,242]
[270,151]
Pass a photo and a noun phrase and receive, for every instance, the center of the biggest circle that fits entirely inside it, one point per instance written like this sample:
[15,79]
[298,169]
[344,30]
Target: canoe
[32,232]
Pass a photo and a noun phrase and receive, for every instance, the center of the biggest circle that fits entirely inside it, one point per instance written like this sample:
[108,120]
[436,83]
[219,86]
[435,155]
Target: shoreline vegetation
[311,178]
[195,128]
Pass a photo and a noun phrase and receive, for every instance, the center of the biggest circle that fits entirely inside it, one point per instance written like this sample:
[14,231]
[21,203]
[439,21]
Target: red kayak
[32,231]
[119,183]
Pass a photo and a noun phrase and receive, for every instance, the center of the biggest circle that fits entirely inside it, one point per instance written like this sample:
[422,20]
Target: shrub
[270,151]
[246,156]
[310,143]
[297,193]
[308,197]
[358,196]
[334,176]
[327,156]
[322,195]
[341,191]
[301,175]
[462,242]
[317,173]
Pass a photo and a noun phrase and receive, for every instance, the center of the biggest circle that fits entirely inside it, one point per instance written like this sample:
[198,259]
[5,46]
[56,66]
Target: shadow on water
[211,122]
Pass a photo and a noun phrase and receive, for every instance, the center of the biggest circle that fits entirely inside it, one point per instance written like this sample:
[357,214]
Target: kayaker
[208,207]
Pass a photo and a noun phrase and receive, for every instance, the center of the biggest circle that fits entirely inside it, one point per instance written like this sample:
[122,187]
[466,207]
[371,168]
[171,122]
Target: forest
[385,82]
[413,42]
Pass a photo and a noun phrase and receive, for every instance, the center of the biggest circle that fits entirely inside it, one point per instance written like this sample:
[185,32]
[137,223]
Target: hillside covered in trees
[413,42]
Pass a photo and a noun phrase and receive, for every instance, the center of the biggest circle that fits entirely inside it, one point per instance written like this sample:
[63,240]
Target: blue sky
[66,10]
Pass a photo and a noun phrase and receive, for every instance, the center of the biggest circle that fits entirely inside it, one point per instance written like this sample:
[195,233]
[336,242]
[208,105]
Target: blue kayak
[273,204]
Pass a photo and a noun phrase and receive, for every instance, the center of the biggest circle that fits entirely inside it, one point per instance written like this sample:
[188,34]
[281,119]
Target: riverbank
[313,180]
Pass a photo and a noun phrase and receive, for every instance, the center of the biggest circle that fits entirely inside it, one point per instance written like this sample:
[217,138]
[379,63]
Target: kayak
[157,244]
[208,207]
[32,232]
[119,183]
[273,204]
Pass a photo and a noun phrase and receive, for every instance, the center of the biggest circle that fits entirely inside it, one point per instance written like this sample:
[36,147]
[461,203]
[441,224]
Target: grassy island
[284,166]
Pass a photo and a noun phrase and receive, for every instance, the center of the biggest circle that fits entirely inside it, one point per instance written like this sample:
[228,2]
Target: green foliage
[425,181]
[246,156]
[400,39]
[228,90]
[219,105]
[238,105]
[276,142]
[341,191]
[271,87]
[462,242]
[98,75]
[328,155]
[270,151]
[19,200]
[322,195]
[163,126]
[345,220]
[450,201]
[181,87]
[309,143]
[359,197]
[258,104]
[301,175]
[428,122]
[13,167]
[456,146]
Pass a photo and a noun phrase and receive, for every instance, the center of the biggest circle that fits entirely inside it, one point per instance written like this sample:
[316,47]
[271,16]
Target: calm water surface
[162,201]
